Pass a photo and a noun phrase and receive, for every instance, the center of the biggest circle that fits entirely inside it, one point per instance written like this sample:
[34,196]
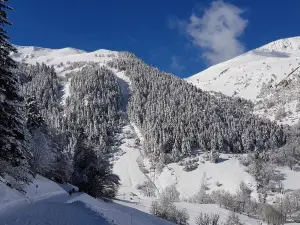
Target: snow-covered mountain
[64,60]
[269,76]
[162,114]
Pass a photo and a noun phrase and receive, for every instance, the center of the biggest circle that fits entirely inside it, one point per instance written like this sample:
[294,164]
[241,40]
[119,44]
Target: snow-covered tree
[233,219]
[43,147]
[280,114]
[214,156]
[92,171]
[170,193]
[207,219]
[13,146]
[176,117]
[164,208]
[271,215]
[34,117]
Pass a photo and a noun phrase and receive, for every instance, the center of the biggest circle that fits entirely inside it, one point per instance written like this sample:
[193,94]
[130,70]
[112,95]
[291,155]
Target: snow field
[245,75]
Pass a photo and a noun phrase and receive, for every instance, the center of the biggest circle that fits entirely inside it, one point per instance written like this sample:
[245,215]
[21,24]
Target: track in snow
[52,211]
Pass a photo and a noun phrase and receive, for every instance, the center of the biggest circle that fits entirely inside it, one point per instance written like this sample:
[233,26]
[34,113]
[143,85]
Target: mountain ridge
[258,75]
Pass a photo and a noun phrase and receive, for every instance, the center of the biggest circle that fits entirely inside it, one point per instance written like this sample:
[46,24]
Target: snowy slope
[38,188]
[49,204]
[226,175]
[229,173]
[125,164]
[265,75]
[56,207]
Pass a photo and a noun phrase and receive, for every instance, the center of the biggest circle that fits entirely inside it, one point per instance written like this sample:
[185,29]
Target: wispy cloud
[176,64]
[216,32]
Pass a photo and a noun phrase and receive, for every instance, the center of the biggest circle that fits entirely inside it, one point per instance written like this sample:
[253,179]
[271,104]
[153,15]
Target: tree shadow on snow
[220,160]
[68,187]
[127,201]
[297,169]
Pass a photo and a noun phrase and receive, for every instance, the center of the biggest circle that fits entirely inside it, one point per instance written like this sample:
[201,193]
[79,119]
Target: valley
[195,136]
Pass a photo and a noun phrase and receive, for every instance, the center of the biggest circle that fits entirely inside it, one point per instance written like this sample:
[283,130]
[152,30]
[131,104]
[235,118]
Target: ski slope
[267,75]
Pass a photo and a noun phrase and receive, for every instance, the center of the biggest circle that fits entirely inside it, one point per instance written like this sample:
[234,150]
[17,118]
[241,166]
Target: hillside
[201,121]
[268,76]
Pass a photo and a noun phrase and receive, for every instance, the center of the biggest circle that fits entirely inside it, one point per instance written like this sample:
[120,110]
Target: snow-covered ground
[50,204]
[226,175]
[40,187]
[54,210]
[268,66]
[126,165]
[229,173]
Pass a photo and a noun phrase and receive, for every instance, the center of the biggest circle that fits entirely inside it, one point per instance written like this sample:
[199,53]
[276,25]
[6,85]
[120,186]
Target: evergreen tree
[43,148]
[176,118]
[12,123]
[34,118]
[92,171]
[81,159]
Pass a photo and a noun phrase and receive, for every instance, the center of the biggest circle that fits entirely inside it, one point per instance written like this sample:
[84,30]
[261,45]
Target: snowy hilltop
[268,76]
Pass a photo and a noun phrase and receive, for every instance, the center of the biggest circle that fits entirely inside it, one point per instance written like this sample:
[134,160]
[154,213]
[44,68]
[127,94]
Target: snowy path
[52,211]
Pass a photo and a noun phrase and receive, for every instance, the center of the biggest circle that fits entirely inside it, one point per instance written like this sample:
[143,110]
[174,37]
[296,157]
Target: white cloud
[176,65]
[217,31]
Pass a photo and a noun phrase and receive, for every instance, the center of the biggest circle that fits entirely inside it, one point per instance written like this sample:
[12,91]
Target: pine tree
[12,124]
[81,158]
[34,118]
[92,171]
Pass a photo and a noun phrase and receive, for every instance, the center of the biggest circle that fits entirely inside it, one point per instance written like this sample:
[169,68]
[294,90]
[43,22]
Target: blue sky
[178,36]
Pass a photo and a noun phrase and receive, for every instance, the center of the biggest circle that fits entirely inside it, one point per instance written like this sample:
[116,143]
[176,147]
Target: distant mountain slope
[64,60]
[269,76]
[174,117]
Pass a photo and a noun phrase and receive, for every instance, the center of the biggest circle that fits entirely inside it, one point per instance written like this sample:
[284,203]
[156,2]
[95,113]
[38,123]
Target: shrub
[171,194]
[233,219]
[206,219]
[147,188]
[201,197]
[218,184]
[214,156]
[166,209]
[271,215]
[190,165]
[141,164]
[280,114]
[137,143]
